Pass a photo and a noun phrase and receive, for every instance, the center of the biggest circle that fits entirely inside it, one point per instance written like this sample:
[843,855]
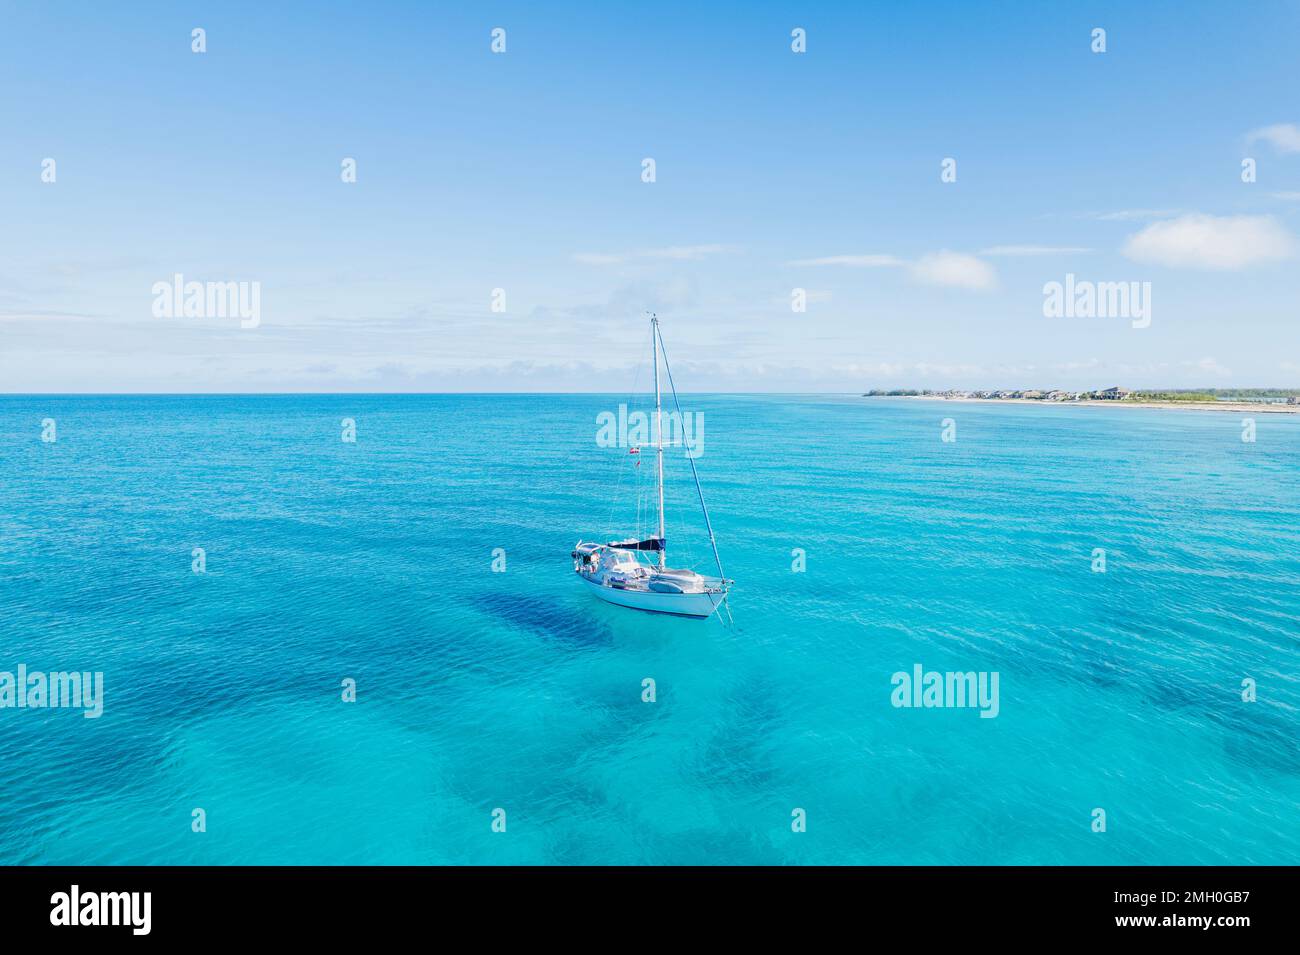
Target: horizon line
[854,393]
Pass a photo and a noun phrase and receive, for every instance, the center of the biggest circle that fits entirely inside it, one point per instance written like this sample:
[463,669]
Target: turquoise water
[479,690]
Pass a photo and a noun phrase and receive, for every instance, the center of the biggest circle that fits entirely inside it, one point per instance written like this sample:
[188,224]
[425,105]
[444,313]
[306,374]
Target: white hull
[683,605]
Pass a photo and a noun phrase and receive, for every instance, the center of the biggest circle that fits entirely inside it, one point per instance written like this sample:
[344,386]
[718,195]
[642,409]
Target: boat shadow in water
[555,622]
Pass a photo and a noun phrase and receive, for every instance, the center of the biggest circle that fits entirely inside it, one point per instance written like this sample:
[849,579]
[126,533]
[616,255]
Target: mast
[659,432]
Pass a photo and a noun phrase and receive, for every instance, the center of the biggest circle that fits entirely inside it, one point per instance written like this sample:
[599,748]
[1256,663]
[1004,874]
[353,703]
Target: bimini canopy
[652,543]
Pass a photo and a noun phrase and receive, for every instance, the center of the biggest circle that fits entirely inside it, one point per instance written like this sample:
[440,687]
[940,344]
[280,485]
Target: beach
[1238,407]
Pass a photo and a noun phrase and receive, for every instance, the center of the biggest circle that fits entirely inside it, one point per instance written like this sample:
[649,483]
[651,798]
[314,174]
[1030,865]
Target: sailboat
[634,573]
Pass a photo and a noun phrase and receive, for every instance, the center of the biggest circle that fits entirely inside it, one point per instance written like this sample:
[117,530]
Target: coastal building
[1113,394]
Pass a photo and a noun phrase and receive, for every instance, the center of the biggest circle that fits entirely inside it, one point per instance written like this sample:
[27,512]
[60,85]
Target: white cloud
[949,371]
[1022,250]
[1210,366]
[856,261]
[813,297]
[953,269]
[934,268]
[1284,137]
[675,252]
[1287,196]
[1211,242]
[1088,365]
[686,251]
[1130,215]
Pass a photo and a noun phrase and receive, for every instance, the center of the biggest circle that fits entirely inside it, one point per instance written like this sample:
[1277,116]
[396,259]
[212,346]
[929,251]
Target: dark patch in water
[1270,747]
[735,755]
[1258,736]
[546,618]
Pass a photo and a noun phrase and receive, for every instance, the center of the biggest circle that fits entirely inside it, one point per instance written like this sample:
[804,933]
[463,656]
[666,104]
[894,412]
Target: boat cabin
[590,558]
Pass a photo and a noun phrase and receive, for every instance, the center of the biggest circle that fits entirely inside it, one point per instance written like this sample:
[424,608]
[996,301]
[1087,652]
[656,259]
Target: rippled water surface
[479,690]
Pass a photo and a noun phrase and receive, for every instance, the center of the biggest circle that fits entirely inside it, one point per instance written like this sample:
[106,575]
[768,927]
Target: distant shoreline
[1231,406]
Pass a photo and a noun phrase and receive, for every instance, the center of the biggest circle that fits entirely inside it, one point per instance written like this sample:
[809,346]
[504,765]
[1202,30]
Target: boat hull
[681,605]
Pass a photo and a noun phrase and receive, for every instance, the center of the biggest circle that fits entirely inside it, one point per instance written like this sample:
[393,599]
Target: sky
[523,171]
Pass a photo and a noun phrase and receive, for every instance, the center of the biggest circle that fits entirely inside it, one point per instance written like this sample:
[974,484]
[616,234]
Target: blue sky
[774,171]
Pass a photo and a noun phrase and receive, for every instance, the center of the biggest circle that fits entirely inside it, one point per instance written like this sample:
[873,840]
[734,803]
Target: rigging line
[694,473]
